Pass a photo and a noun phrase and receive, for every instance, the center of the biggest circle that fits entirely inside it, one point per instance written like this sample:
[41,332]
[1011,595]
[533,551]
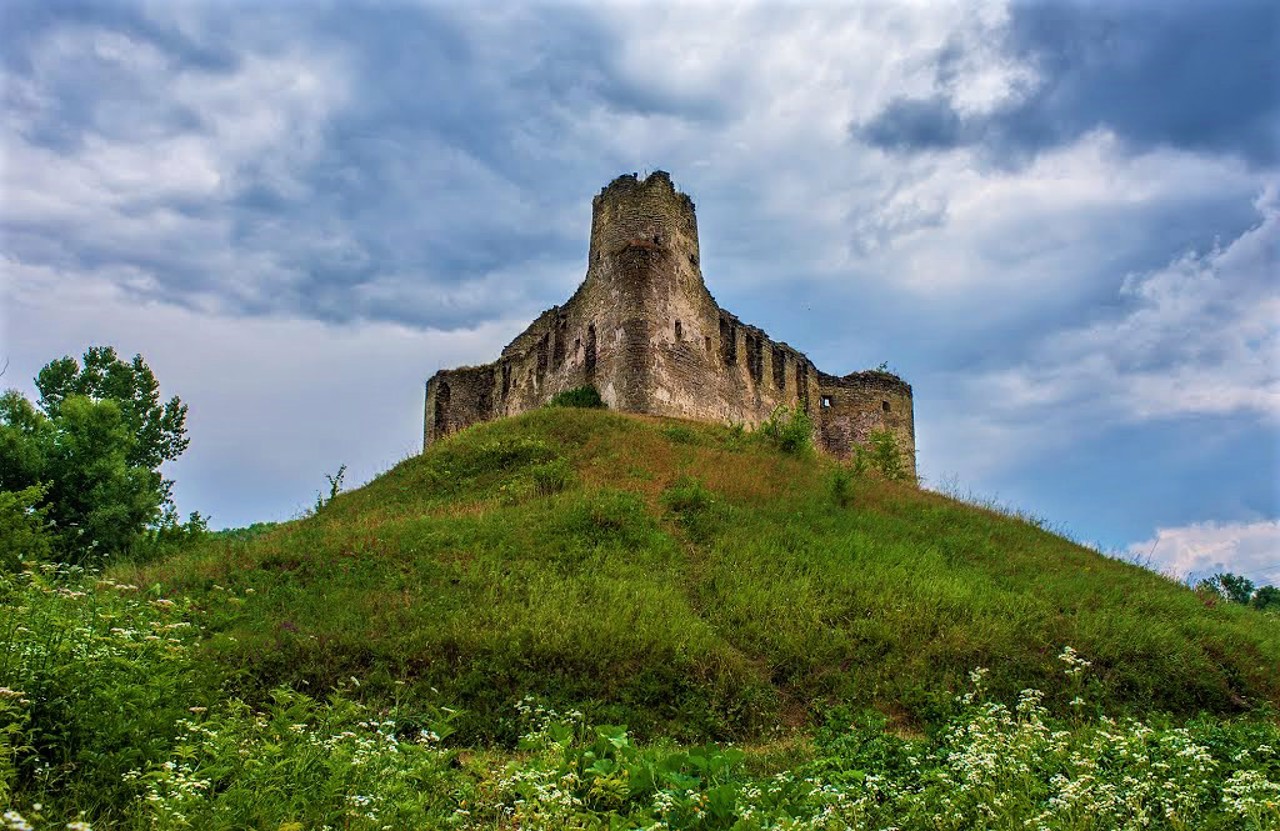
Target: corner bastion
[645,331]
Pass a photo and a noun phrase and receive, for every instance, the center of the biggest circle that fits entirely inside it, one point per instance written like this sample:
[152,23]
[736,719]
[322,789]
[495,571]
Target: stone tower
[645,331]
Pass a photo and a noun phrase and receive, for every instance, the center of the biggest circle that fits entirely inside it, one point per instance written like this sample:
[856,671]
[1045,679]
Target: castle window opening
[884,405]
[442,408]
[826,401]
[728,342]
[558,344]
[541,371]
[590,358]
[679,331]
[755,357]
[707,342]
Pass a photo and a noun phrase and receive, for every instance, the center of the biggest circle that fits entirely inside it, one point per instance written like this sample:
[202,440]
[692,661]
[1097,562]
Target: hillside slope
[687,580]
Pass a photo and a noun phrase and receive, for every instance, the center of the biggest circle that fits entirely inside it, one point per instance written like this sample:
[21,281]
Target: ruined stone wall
[645,331]
[850,408]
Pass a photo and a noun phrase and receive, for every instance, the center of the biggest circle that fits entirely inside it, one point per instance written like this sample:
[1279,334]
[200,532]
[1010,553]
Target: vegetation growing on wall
[586,397]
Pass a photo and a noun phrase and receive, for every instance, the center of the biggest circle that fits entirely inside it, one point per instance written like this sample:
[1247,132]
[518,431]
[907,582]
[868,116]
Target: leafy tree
[1239,589]
[94,442]
[587,397]
[23,533]
[1235,588]
[1228,586]
[159,430]
[1266,598]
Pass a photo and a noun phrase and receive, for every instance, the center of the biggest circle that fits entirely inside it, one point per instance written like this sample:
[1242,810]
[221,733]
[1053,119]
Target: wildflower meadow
[109,719]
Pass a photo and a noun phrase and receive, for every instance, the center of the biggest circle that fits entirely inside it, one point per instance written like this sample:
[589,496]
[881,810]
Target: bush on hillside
[587,398]
[842,486]
[789,430]
[23,532]
[881,454]
[168,536]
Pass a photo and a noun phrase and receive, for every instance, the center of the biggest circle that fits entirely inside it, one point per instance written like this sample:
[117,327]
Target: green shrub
[93,679]
[789,430]
[551,477]
[841,486]
[169,537]
[23,533]
[881,454]
[680,434]
[587,398]
[694,507]
[736,436]
[335,487]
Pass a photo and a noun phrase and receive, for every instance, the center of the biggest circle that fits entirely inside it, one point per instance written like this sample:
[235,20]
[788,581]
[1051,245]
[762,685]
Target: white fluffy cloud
[1199,336]
[1200,550]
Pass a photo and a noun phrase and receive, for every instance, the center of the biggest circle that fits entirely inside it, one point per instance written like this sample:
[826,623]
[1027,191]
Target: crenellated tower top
[648,213]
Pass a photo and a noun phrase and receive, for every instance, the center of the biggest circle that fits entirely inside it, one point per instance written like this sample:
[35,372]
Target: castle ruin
[644,330]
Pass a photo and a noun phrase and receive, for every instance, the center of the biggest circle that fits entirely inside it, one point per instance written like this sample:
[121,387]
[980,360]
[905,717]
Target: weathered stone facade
[645,331]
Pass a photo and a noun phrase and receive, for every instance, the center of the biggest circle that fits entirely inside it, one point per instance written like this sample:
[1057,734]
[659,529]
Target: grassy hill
[690,581]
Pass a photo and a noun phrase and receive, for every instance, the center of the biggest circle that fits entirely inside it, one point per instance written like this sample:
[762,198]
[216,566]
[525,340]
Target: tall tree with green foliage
[1266,598]
[95,440]
[159,430]
[1236,588]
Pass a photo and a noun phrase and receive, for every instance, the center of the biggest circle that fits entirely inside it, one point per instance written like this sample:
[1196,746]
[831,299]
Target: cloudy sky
[1059,221]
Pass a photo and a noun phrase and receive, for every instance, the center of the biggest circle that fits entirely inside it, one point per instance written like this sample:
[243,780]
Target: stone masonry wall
[645,331]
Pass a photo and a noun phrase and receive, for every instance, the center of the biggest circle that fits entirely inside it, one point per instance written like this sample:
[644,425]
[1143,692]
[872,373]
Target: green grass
[693,583]
[110,719]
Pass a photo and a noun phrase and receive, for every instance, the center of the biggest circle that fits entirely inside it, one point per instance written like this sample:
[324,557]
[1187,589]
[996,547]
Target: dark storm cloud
[440,162]
[1201,77]
[84,93]
[915,123]
[24,21]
